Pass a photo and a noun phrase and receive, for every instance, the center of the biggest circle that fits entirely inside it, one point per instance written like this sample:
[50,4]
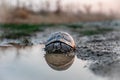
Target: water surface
[29,63]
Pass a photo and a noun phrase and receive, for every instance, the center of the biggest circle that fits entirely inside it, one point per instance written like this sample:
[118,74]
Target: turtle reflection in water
[58,61]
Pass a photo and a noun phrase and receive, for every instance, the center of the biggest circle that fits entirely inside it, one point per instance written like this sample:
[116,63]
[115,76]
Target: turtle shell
[60,42]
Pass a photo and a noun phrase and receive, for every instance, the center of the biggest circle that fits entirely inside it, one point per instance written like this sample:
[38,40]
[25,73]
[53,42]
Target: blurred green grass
[14,31]
[19,30]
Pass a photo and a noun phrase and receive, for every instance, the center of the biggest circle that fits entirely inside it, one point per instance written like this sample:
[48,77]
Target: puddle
[29,63]
[96,58]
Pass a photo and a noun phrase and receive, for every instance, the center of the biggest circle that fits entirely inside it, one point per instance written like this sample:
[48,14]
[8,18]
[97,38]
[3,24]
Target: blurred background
[58,11]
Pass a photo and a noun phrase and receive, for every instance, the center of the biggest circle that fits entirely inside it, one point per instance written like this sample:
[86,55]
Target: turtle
[60,42]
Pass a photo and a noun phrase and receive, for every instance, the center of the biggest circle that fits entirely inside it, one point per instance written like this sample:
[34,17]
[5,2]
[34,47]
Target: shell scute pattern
[59,42]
